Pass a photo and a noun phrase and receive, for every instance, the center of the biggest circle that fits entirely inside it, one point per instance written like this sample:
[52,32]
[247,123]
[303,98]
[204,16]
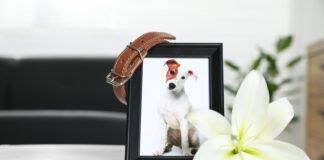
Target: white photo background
[154,85]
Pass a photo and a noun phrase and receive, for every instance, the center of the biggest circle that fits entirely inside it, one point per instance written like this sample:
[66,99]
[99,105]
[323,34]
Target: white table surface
[62,152]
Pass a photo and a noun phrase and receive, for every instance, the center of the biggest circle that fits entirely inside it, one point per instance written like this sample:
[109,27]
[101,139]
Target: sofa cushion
[62,127]
[5,68]
[63,84]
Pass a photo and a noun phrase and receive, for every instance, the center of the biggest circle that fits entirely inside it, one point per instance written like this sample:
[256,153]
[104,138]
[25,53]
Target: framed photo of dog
[173,80]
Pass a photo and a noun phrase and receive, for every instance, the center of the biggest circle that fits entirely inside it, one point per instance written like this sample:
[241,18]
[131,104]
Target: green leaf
[283,43]
[294,61]
[272,69]
[232,65]
[273,87]
[230,89]
[285,81]
[295,119]
[293,91]
[256,63]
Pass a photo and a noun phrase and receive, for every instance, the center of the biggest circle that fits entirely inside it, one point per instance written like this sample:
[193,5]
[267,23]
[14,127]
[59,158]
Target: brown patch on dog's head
[173,66]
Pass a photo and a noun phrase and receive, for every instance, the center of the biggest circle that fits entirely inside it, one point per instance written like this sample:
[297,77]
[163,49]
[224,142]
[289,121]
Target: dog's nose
[171,86]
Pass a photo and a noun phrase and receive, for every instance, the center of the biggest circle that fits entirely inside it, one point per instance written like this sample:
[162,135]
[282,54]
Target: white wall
[101,28]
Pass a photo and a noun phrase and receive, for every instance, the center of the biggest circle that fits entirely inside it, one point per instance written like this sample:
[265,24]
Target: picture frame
[145,87]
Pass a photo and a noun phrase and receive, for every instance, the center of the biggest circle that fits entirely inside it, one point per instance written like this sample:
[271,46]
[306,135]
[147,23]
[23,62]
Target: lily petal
[209,123]
[279,114]
[276,150]
[216,148]
[250,105]
[248,156]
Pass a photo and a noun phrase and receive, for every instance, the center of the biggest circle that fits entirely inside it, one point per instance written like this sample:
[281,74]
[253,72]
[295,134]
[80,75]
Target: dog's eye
[183,77]
[172,72]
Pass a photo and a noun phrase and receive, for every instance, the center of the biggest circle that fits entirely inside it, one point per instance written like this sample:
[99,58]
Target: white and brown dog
[173,108]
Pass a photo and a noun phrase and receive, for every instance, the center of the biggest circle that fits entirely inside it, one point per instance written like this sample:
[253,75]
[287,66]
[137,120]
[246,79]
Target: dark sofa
[59,101]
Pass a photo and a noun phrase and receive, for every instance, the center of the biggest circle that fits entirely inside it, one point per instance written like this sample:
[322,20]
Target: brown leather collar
[131,57]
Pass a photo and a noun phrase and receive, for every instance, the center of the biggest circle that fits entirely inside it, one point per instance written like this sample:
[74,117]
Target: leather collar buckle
[132,56]
[112,77]
[135,49]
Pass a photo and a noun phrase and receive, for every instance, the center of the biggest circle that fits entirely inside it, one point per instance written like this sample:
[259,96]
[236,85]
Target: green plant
[266,63]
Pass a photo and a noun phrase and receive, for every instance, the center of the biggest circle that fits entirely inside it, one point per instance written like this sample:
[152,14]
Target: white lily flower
[255,125]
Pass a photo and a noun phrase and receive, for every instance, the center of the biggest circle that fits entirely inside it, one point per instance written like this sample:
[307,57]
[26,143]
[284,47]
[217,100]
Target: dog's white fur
[172,110]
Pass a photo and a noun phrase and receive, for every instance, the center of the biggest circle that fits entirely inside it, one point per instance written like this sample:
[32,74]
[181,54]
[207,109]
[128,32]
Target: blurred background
[51,49]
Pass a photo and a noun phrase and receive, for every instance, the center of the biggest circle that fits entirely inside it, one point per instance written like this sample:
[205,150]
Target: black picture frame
[212,51]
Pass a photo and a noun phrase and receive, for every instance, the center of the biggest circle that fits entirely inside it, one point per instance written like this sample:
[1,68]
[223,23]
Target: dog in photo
[172,110]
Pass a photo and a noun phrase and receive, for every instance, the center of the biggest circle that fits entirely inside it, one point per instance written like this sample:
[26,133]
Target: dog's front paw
[186,152]
[159,152]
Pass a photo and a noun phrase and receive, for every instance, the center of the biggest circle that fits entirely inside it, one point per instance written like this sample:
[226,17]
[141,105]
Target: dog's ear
[191,74]
[173,66]
[172,63]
